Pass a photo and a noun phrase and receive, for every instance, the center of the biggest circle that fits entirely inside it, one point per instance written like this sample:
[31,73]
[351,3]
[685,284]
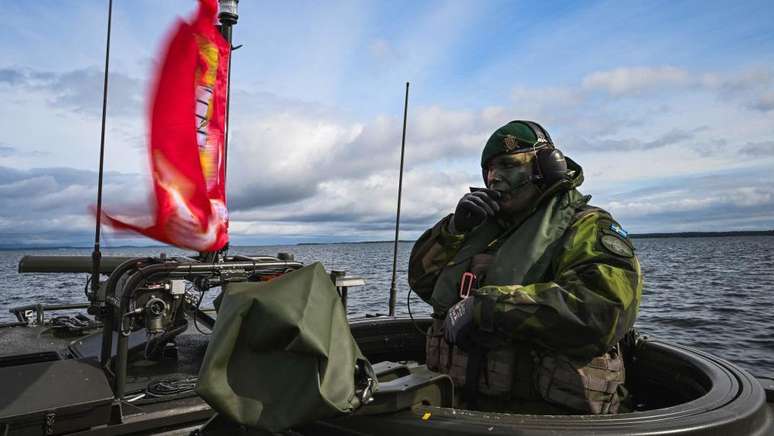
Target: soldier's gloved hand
[473,208]
[459,320]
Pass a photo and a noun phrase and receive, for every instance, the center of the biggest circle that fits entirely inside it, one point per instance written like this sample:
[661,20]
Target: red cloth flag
[187,124]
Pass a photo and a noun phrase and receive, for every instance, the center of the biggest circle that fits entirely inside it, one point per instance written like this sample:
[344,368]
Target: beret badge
[510,142]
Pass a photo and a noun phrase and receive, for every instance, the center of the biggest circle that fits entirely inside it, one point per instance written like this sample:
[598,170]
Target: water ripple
[714,294]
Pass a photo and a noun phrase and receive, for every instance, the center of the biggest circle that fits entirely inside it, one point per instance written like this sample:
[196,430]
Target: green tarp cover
[282,353]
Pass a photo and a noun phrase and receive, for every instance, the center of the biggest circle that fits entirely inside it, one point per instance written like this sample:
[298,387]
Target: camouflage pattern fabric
[580,300]
[570,298]
[586,305]
[430,254]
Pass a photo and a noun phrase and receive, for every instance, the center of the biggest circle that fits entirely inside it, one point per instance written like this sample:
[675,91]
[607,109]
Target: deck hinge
[50,419]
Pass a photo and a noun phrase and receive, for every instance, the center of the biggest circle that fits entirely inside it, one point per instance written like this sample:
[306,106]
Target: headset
[551,165]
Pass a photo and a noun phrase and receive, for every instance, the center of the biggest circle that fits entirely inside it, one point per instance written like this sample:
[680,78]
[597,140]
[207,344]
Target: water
[714,294]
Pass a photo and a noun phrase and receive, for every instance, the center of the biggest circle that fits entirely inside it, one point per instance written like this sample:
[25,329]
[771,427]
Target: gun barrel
[68,264]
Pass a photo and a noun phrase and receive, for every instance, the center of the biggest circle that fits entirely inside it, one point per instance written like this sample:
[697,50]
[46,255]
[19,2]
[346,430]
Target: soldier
[532,288]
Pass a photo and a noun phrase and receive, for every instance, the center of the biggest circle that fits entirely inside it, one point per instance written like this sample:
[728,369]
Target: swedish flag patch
[616,228]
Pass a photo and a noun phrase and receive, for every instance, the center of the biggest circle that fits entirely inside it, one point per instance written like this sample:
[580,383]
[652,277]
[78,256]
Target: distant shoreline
[702,234]
[632,235]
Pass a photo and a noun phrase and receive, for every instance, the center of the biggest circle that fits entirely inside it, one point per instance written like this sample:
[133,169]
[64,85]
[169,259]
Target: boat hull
[685,392]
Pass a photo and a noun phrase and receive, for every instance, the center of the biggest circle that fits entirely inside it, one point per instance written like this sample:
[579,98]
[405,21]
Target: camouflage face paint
[511,174]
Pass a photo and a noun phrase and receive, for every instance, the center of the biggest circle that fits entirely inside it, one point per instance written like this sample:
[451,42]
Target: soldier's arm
[432,251]
[590,303]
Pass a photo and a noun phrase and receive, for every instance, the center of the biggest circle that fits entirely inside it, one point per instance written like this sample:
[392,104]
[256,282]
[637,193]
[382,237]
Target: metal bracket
[50,420]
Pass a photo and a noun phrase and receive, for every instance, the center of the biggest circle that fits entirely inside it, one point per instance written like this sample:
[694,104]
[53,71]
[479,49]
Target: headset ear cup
[552,166]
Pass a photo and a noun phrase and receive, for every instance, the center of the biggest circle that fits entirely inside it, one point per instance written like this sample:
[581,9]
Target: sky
[668,106]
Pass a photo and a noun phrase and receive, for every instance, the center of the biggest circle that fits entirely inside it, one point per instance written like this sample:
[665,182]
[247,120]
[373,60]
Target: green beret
[513,137]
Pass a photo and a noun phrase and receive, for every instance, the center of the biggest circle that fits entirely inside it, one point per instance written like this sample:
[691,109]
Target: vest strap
[486,322]
[476,361]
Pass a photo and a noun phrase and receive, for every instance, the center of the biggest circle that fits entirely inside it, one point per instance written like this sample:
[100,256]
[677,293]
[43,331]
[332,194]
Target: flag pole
[228,17]
[393,287]
[96,255]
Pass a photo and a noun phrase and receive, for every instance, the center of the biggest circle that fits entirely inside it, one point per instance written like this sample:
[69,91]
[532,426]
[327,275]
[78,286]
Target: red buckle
[466,284]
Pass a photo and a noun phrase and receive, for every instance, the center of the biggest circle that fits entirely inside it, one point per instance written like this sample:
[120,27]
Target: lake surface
[714,294]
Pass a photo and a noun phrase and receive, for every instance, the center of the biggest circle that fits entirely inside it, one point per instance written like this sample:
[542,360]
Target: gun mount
[154,294]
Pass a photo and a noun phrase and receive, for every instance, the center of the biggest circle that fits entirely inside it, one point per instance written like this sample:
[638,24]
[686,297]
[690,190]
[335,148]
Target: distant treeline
[702,234]
[10,247]
[631,235]
[356,242]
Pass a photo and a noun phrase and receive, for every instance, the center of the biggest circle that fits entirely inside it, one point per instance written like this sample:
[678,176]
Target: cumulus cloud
[758,149]
[763,103]
[735,198]
[81,90]
[48,194]
[383,52]
[715,201]
[752,88]
[360,207]
[303,171]
[6,151]
[633,80]
[290,157]
[673,137]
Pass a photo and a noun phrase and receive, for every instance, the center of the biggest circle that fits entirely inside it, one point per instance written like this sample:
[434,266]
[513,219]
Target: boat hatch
[54,397]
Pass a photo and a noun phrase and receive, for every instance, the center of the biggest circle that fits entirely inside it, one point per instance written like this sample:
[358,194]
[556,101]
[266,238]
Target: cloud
[6,151]
[758,149]
[45,193]
[81,90]
[623,81]
[308,171]
[736,199]
[754,88]
[361,205]
[24,77]
[10,76]
[673,137]
[383,51]
[763,103]
[293,156]
[11,152]
[739,199]
[751,88]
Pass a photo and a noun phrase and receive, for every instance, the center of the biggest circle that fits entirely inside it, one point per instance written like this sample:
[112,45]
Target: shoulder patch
[616,245]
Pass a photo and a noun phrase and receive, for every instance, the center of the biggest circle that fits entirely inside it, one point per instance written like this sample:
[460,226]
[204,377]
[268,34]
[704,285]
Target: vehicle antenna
[393,289]
[96,255]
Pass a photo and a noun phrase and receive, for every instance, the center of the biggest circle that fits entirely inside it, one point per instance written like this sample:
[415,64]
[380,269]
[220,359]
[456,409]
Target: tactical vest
[525,373]
[520,255]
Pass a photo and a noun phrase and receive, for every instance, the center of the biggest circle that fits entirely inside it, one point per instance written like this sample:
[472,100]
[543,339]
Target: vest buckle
[467,283]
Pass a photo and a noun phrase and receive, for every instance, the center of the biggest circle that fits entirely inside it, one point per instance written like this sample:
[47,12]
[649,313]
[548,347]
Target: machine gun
[150,293]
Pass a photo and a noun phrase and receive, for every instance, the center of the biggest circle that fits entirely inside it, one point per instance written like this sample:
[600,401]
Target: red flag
[187,124]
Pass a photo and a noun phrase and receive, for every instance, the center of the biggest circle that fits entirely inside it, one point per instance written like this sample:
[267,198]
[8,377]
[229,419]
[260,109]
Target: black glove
[459,320]
[474,207]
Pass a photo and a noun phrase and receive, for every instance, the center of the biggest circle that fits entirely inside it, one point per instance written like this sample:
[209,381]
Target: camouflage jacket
[578,295]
